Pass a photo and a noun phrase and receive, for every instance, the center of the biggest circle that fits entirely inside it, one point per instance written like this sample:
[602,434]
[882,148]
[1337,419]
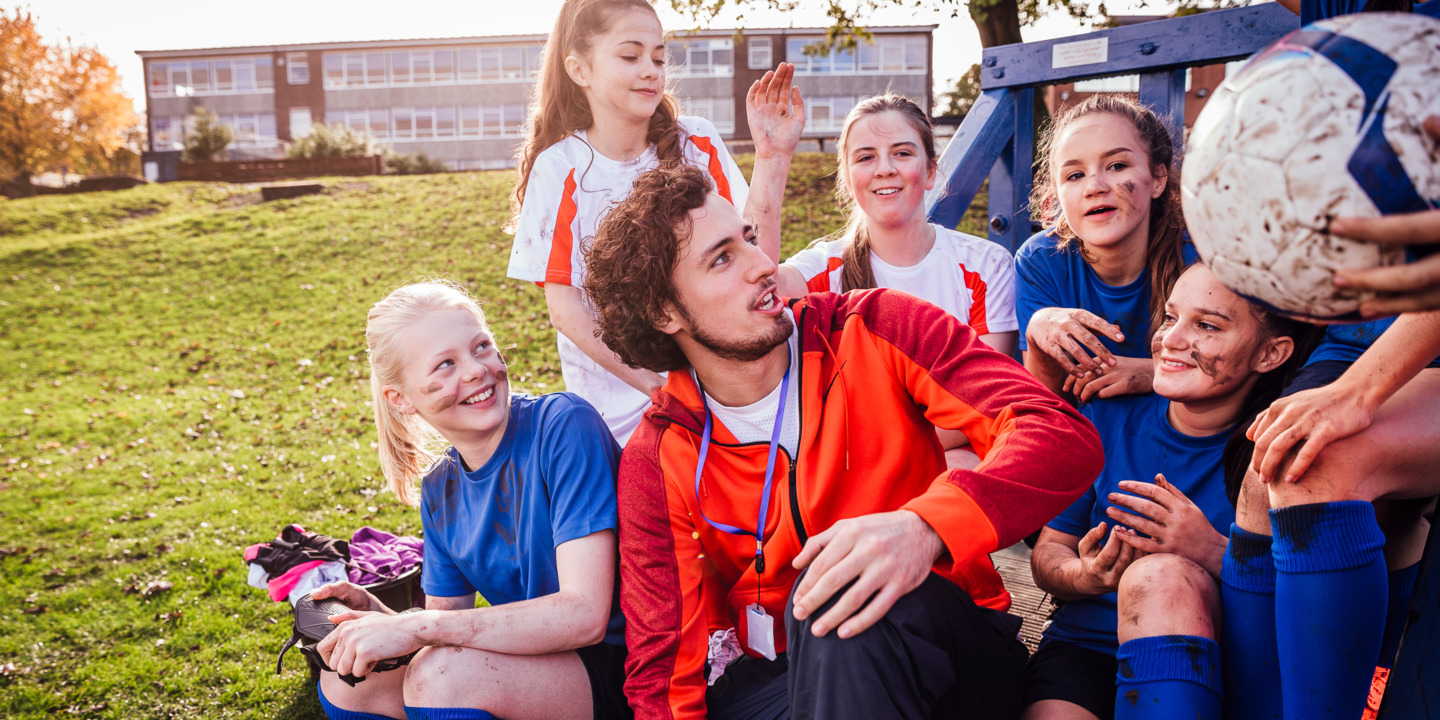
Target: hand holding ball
[1324,123]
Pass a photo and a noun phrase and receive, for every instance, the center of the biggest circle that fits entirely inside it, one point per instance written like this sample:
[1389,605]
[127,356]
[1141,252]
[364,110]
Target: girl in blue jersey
[1084,299]
[520,507]
[1216,361]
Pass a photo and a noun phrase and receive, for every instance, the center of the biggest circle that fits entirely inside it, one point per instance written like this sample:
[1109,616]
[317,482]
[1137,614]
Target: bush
[207,138]
[331,141]
[413,164]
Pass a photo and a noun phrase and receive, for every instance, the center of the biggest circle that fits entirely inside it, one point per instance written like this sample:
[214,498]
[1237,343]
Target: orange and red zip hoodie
[879,370]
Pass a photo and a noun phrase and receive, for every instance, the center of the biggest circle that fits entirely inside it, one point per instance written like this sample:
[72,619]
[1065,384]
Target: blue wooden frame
[996,140]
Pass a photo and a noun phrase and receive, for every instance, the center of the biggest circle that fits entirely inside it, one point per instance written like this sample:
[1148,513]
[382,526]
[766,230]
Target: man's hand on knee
[886,554]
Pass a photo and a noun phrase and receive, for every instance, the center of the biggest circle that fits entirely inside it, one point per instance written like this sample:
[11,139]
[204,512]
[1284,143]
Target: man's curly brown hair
[632,260]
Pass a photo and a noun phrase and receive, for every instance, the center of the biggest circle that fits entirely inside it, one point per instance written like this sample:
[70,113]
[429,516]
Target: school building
[464,100]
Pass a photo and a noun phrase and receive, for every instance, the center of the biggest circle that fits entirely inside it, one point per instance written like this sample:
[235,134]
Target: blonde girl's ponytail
[409,447]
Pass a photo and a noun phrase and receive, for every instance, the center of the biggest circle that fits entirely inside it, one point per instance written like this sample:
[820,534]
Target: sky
[119,29]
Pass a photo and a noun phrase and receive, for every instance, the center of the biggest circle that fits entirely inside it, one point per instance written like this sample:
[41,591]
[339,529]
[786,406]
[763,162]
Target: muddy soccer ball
[1324,123]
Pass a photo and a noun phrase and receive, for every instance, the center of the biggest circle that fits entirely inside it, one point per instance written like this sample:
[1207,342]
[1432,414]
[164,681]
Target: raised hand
[776,112]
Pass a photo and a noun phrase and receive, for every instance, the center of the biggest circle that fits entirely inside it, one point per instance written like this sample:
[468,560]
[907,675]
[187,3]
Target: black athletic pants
[934,655]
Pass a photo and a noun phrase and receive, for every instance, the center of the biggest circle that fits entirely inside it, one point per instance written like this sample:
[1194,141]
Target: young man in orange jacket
[799,436]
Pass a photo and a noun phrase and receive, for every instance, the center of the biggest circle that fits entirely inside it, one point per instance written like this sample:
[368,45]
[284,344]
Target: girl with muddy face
[1091,285]
[1210,351]
[1136,561]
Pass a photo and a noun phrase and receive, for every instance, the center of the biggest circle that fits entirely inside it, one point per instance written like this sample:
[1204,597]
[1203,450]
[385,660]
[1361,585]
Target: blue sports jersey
[495,530]
[1049,277]
[1139,442]
[1349,342]
[1312,10]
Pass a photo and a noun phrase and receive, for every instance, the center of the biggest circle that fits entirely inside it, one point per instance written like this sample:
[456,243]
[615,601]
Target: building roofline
[490,40]
[876,29]
[349,45]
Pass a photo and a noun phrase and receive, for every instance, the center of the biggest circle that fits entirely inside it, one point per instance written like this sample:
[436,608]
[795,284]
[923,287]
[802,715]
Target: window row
[430,67]
[884,55]
[185,78]
[444,122]
[719,111]
[827,114]
[251,131]
[700,58]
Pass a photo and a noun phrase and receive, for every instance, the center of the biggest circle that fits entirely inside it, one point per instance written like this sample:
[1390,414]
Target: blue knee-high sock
[1168,676]
[1247,636]
[1402,584]
[337,713]
[1330,581]
[421,713]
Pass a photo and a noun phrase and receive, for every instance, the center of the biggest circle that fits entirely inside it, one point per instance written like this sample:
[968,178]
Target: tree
[206,138]
[958,101]
[61,105]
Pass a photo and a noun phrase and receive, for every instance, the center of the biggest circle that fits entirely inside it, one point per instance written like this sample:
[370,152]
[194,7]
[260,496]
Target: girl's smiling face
[1105,183]
[452,376]
[886,168]
[623,76]
[1211,343]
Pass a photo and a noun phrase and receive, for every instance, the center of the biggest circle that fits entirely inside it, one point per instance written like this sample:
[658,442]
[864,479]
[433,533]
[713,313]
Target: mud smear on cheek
[1210,365]
[1129,187]
[443,404]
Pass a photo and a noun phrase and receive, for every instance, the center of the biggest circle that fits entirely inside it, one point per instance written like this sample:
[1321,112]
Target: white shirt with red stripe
[571,188]
[970,277]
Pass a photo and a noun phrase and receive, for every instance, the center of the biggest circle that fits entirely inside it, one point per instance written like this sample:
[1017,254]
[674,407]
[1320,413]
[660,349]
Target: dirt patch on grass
[243,200]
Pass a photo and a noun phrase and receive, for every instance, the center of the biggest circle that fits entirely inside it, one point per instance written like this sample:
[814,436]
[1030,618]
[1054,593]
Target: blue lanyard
[759,533]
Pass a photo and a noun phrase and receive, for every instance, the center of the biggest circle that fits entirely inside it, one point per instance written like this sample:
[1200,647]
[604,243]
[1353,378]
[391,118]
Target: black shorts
[1065,671]
[1315,375]
[605,666]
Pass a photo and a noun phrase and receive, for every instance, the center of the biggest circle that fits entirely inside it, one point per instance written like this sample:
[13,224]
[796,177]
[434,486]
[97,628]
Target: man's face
[726,289]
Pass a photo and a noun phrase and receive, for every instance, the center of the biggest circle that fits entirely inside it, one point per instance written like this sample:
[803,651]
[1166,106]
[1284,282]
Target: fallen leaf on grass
[156,587]
[168,616]
[10,670]
[37,610]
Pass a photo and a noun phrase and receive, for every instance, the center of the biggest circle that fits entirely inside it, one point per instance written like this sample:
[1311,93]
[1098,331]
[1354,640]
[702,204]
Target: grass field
[184,373]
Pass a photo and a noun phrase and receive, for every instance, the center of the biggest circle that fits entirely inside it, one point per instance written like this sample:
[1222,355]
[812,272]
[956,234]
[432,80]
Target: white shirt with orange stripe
[571,188]
[969,277]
